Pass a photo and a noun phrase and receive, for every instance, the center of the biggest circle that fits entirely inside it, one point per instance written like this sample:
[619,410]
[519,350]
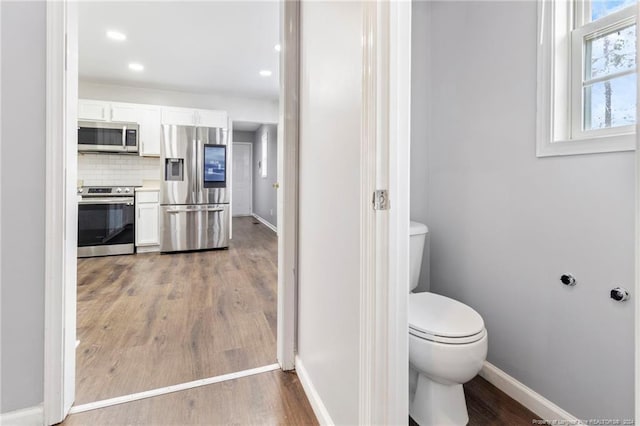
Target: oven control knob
[127,190]
[79,190]
[119,190]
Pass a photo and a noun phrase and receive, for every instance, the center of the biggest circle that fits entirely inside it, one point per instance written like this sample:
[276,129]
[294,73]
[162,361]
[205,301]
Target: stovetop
[106,191]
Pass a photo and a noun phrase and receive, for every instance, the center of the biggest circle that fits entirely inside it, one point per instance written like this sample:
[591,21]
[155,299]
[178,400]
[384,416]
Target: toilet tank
[418,244]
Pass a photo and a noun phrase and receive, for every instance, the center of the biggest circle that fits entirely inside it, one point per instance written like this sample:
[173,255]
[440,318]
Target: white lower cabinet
[147,221]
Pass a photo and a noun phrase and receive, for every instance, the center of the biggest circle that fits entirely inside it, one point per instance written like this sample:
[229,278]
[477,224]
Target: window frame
[560,78]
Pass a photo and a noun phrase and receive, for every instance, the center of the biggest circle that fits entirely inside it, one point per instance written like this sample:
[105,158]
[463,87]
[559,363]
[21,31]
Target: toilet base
[435,404]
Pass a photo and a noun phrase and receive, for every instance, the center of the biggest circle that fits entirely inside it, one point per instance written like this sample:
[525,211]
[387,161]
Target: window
[264,150]
[586,76]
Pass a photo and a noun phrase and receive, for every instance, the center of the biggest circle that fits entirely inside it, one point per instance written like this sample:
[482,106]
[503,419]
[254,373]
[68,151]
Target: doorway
[272,319]
[242,178]
[174,311]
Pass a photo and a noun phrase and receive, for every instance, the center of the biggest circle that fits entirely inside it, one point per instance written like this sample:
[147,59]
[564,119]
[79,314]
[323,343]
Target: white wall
[22,202]
[115,169]
[264,194]
[505,224]
[330,116]
[239,108]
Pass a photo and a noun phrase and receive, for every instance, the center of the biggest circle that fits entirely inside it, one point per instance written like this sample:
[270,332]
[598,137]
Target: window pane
[611,53]
[601,8]
[610,103]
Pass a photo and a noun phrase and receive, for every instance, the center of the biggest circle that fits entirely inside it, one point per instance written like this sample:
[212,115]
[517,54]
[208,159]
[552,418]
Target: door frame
[384,246]
[233,144]
[61,215]
[636,287]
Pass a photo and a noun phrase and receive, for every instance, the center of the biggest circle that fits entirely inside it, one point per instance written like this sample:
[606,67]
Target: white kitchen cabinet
[194,117]
[211,118]
[179,116]
[147,221]
[148,118]
[93,110]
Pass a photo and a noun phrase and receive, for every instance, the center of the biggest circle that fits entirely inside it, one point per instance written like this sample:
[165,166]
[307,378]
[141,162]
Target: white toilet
[447,346]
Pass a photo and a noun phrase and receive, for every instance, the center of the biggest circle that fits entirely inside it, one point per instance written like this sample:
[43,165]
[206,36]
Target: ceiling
[201,47]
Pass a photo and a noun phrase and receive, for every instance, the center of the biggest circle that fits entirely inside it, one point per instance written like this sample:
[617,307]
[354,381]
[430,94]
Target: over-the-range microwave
[95,136]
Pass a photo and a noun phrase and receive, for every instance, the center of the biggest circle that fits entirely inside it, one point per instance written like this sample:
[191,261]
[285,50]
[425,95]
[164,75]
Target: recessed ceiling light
[136,67]
[116,35]
[265,73]
[277,47]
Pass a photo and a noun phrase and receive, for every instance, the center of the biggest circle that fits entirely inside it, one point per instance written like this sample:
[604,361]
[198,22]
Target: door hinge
[381,199]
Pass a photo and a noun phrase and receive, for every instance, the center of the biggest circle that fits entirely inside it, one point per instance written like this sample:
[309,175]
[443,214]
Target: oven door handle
[124,137]
[127,201]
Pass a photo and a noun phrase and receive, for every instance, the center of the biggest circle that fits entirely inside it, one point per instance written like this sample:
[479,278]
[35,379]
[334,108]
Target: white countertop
[149,186]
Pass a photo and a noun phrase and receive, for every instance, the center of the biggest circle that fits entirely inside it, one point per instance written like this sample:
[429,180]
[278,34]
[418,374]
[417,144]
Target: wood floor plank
[151,320]
[273,398]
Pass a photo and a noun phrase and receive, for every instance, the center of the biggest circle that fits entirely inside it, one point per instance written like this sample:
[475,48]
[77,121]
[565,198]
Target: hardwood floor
[273,398]
[147,321]
[489,406]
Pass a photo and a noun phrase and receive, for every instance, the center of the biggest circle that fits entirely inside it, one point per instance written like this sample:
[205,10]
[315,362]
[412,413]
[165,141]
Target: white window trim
[264,154]
[554,114]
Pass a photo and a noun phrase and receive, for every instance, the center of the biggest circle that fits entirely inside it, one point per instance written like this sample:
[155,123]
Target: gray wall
[420,96]
[505,224]
[23,161]
[264,194]
[243,136]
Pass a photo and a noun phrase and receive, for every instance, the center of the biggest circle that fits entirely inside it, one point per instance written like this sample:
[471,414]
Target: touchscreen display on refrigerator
[215,166]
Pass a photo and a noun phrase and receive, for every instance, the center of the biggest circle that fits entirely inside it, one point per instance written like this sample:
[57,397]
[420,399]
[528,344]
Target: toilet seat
[440,319]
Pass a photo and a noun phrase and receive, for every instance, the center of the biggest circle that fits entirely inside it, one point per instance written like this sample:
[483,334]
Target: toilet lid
[437,315]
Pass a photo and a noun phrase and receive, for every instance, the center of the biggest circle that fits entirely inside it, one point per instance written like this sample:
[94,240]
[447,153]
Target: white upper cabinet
[93,110]
[211,118]
[148,118]
[194,117]
[179,116]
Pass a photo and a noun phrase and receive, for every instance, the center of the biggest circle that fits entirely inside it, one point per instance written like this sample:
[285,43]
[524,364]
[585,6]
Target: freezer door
[194,227]
[178,156]
[209,140]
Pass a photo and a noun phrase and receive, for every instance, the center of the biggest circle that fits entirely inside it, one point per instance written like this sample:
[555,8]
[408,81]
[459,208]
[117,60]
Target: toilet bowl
[447,347]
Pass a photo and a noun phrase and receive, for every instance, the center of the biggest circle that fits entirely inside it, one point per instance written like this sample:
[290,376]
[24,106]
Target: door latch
[381,199]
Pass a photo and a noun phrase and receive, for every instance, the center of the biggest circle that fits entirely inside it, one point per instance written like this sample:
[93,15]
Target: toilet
[447,347]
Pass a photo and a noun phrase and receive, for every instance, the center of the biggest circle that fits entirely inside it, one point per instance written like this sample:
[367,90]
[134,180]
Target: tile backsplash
[116,169]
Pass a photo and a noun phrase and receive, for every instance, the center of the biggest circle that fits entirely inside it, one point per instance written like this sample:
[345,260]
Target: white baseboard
[148,249]
[526,396]
[265,223]
[321,412]
[32,416]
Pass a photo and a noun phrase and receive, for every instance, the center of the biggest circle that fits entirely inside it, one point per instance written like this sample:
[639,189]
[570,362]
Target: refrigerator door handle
[194,170]
[195,210]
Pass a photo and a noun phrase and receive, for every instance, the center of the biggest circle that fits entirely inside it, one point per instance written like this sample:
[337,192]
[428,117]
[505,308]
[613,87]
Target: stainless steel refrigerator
[195,188]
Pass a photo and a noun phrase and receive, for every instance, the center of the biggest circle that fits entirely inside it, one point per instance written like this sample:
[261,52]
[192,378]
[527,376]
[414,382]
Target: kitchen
[176,277]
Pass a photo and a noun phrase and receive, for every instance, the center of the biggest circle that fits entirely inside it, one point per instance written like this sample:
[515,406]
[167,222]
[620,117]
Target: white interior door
[242,179]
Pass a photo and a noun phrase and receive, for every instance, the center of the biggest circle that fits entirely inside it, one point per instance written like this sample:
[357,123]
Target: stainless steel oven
[106,221]
[95,136]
